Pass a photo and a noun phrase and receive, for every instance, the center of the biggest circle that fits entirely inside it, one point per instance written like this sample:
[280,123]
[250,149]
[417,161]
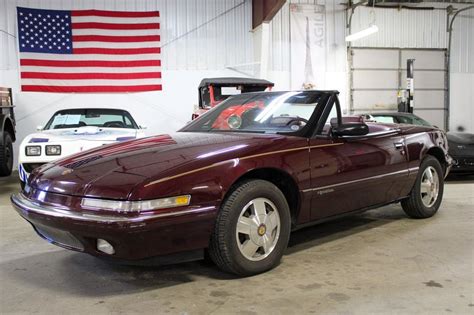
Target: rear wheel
[427,194]
[252,229]
[6,155]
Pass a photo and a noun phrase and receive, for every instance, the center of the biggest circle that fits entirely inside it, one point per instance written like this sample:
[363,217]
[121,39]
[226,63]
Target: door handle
[399,145]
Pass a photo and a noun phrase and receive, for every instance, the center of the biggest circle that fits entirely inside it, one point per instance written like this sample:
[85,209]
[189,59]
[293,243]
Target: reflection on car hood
[112,171]
[90,133]
[461,138]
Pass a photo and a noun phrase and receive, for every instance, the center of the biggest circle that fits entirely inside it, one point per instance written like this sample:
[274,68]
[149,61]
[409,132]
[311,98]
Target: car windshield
[269,112]
[402,119]
[104,118]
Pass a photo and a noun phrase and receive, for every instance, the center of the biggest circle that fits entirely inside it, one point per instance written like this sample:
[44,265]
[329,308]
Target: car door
[348,174]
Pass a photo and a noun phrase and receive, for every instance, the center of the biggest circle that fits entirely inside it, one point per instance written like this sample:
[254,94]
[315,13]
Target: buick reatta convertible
[234,182]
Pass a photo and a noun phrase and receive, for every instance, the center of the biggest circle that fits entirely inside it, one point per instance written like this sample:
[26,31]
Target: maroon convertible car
[236,189]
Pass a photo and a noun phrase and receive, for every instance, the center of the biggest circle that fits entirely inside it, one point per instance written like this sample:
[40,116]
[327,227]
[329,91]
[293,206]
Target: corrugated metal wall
[462,46]
[402,28]
[197,34]
[420,29]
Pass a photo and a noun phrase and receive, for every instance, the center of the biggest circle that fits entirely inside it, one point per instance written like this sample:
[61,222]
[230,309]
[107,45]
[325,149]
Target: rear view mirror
[39,128]
[351,130]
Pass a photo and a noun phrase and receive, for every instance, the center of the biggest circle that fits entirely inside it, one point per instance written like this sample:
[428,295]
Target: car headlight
[53,150]
[136,206]
[33,150]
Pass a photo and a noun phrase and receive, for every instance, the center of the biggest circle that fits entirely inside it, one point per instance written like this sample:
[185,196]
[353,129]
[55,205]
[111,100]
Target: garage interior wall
[426,29]
[279,69]
[199,39]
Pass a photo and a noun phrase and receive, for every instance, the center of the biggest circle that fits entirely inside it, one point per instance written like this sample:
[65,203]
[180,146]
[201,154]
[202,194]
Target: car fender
[211,182]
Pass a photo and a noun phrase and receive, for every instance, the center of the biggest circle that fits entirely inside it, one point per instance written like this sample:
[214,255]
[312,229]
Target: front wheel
[252,229]
[427,193]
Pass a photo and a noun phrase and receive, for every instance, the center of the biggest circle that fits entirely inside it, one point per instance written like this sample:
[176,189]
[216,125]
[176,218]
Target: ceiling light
[361,34]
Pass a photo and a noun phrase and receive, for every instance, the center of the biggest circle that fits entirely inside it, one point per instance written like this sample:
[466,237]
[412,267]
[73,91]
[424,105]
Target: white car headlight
[33,150]
[136,206]
[53,150]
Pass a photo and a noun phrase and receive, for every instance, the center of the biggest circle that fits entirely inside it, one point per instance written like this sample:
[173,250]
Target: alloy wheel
[429,186]
[258,229]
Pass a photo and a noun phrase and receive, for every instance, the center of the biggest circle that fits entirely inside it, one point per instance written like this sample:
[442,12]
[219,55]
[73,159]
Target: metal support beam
[264,10]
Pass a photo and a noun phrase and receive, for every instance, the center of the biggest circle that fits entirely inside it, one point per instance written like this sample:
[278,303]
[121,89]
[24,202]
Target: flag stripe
[90,63]
[89,69]
[90,75]
[89,51]
[95,38]
[117,51]
[122,14]
[88,82]
[86,57]
[91,31]
[115,26]
[105,19]
[116,45]
[96,89]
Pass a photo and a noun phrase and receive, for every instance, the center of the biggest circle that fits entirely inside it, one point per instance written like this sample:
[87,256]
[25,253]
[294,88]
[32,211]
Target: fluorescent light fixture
[364,33]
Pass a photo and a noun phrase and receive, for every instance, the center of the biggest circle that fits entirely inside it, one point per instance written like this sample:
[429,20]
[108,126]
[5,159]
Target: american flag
[89,50]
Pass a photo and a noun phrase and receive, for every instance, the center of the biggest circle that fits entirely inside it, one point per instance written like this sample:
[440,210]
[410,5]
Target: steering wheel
[295,120]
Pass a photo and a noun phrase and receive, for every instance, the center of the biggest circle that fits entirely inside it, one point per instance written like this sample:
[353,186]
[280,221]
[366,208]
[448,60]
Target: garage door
[377,74]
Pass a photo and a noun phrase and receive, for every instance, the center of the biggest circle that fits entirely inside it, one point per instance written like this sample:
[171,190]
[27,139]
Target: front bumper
[134,237]
[463,164]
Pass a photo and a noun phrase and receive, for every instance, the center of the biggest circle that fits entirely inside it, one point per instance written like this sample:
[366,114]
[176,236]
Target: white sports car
[71,131]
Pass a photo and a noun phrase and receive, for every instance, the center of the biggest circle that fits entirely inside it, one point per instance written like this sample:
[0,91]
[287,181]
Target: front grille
[464,161]
[29,167]
[60,237]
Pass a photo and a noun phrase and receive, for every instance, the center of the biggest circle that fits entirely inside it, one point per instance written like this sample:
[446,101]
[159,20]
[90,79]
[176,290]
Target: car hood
[113,171]
[460,138]
[88,133]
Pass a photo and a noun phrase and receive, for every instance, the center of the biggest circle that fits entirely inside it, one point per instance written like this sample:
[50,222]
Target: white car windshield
[268,112]
[104,118]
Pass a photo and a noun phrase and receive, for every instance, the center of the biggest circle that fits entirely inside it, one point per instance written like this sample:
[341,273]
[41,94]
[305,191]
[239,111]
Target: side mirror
[143,127]
[39,128]
[351,130]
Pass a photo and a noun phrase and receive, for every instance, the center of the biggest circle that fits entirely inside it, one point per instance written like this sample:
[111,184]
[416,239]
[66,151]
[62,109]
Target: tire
[266,214]
[426,195]
[6,155]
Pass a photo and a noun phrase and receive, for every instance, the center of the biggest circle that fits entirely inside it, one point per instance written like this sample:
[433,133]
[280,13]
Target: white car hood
[87,133]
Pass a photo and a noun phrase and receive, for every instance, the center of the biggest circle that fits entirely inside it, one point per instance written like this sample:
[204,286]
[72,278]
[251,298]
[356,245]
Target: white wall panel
[402,28]
[462,46]
[427,29]
[336,52]
[420,29]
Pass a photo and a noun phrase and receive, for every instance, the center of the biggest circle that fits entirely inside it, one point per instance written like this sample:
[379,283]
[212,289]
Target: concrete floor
[378,262]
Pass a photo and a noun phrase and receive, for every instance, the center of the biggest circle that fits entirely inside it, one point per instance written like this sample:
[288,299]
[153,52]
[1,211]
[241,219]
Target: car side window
[405,120]
[331,120]
[385,119]
[421,122]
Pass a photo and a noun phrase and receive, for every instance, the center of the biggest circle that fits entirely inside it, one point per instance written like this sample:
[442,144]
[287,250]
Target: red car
[212,91]
[236,191]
